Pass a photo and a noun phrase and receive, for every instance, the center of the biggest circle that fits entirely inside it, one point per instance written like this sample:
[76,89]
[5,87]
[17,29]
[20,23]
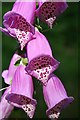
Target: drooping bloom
[5,107]
[18,22]
[40,60]
[55,97]
[8,74]
[49,10]
[22,91]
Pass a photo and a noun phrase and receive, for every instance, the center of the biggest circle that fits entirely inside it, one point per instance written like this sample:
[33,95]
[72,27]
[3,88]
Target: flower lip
[59,106]
[20,100]
[48,11]
[17,21]
[6,32]
[41,67]
[42,61]
[51,9]
[23,102]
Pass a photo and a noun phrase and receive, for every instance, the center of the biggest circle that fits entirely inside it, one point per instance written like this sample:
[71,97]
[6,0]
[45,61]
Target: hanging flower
[5,107]
[22,91]
[18,22]
[8,74]
[49,10]
[41,62]
[55,97]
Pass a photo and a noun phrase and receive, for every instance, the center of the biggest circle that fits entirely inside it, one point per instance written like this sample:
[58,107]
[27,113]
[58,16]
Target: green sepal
[17,62]
[36,4]
[24,61]
[10,82]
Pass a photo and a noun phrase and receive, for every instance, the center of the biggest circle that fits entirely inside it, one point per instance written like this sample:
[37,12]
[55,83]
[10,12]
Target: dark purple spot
[41,75]
[29,109]
[54,7]
[46,11]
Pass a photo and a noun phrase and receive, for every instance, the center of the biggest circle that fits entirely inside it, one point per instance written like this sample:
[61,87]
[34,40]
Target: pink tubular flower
[22,92]
[5,107]
[55,97]
[18,22]
[49,10]
[8,74]
[41,62]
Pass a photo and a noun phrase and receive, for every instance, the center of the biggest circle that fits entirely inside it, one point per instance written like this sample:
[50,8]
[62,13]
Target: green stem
[39,27]
[46,30]
[37,21]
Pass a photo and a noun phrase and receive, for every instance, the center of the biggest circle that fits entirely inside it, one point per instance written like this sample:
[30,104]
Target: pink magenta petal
[22,91]
[5,107]
[19,21]
[4,30]
[55,97]
[49,10]
[41,62]
[8,74]
[18,17]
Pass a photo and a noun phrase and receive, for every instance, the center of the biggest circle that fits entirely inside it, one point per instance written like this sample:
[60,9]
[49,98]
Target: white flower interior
[29,109]
[54,115]
[22,37]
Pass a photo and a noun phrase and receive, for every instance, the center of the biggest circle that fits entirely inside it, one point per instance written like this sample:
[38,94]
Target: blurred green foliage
[63,39]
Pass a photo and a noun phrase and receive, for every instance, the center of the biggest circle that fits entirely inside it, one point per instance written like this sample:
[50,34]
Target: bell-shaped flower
[8,74]
[22,91]
[5,107]
[18,22]
[55,97]
[48,10]
[40,60]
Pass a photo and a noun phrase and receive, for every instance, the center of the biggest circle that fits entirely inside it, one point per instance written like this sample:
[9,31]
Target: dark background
[63,39]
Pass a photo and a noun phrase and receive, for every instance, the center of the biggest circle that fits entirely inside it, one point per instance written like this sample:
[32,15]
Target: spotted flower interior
[21,28]
[55,111]
[48,10]
[29,109]
[41,67]
[22,37]
[54,115]
[14,20]
[19,99]
[26,103]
